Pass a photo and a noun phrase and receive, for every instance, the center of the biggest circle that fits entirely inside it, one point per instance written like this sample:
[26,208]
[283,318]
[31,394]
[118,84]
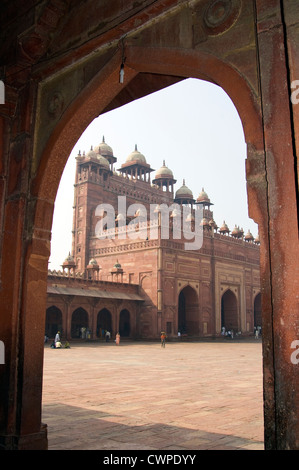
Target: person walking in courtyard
[117,339]
[57,338]
[163,338]
[107,335]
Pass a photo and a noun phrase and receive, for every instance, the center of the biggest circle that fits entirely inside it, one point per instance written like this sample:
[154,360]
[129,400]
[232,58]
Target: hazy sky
[194,127]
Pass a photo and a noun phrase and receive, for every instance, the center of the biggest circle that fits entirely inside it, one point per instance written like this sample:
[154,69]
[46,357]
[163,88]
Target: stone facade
[196,292]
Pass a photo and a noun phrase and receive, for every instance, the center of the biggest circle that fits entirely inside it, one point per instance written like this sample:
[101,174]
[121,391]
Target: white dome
[136,156]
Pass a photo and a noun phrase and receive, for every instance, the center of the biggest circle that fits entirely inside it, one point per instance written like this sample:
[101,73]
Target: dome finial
[135,147]
[184,182]
[103,141]
[164,163]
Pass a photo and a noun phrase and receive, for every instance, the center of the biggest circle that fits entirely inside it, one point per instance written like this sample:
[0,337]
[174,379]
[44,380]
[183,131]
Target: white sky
[194,127]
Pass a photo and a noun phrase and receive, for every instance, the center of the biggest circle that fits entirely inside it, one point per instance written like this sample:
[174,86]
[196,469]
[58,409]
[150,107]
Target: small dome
[120,216]
[224,228]
[164,172]
[103,161]
[69,261]
[249,236]
[235,231]
[204,222]
[91,153]
[104,149]
[184,191]
[190,218]
[93,265]
[136,156]
[203,197]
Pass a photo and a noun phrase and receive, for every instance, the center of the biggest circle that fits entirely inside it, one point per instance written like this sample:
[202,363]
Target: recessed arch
[188,312]
[104,322]
[229,311]
[124,323]
[257,310]
[53,321]
[79,322]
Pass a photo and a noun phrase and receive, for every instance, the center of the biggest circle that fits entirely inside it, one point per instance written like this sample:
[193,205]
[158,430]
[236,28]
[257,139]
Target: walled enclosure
[60,63]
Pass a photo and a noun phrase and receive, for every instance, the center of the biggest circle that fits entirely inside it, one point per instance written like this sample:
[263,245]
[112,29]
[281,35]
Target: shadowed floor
[193,395]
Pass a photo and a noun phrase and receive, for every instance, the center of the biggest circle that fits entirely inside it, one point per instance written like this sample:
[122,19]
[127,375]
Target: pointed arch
[79,321]
[188,312]
[257,310]
[229,311]
[124,323]
[53,321]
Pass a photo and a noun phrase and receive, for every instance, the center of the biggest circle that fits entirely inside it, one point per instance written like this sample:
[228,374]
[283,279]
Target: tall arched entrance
[79,323]
[229,311]
[124,323]
[53,321]
[258,311]
[104,322]
[188,312]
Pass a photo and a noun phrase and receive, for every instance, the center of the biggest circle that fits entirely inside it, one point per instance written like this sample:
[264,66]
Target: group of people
[56,343]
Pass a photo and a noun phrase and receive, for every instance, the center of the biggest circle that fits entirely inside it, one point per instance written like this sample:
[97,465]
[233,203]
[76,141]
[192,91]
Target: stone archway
[258,310]
[188,312]
[53,321]
[97,98]
[229,312]
[104,322]
[79,323]
[124,323]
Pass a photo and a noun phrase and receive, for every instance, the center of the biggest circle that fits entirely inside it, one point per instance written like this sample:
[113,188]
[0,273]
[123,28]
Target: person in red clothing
[163,338]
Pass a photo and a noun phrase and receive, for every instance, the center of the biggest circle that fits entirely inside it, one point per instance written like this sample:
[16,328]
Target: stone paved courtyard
[190,395]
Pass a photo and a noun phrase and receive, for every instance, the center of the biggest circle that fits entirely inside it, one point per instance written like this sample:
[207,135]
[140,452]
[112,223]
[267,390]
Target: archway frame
[236,294]
[92,101]
[195,293]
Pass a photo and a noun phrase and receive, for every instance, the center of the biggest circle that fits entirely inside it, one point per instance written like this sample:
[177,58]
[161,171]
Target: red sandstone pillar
[280,276]
[23,275]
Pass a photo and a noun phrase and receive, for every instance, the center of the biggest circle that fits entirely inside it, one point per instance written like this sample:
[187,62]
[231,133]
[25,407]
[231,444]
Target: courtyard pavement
[204,395]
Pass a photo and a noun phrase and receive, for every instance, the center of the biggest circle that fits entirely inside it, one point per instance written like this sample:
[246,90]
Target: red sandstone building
[142,273]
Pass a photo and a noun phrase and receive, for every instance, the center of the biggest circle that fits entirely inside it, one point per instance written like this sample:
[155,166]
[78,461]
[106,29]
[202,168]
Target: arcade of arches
[81,320]
[59,74]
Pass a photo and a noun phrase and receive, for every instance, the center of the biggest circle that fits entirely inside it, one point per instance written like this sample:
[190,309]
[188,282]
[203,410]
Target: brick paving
[139,396]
